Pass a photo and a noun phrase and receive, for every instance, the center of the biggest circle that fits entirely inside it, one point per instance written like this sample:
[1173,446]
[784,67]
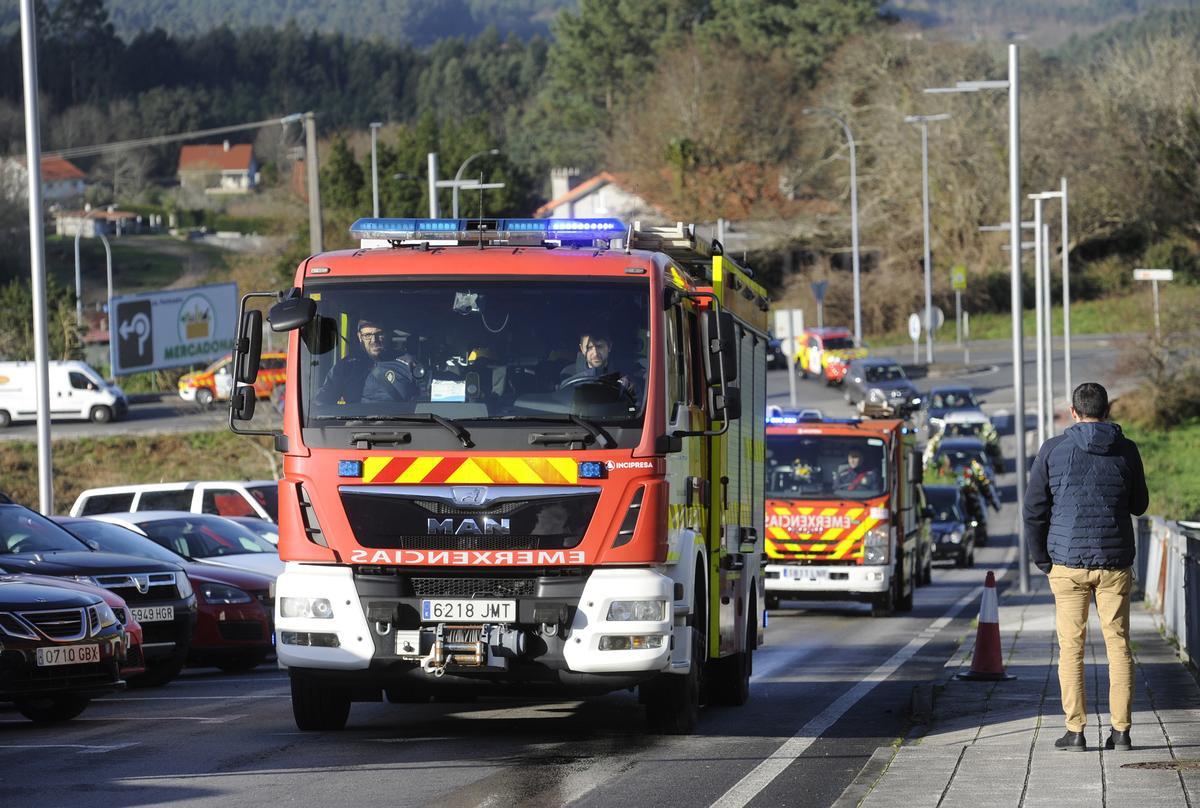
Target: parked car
[949,398]
[224,498]
[157,593]
[954,531]
[265,529]
[215,382]
[133,662]
[826,353]
[76,391]
[880,387]
[235,624]
[61,648]
[201,537]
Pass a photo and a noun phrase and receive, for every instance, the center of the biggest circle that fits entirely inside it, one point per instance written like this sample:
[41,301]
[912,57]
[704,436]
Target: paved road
[831,686]
[170,415]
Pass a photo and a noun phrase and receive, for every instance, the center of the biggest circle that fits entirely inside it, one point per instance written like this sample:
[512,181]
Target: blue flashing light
[439,225]
[783,419]
[350,468]
[521,231]
[591,470]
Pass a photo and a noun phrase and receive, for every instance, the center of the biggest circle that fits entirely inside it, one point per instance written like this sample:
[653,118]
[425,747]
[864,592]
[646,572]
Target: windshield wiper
[450,425]
[593,431]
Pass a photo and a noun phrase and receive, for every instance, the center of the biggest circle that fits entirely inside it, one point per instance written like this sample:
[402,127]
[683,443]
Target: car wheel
[318,706]
[5,419]
[927,576]
[673,701]
[204,397]
[885,602]
[52,709]
[101,414]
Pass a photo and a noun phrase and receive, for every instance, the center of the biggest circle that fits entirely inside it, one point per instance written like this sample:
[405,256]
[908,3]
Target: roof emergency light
[534,232]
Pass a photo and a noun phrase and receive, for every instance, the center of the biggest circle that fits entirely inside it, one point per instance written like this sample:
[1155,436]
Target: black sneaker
[1118,741]
[1071,742]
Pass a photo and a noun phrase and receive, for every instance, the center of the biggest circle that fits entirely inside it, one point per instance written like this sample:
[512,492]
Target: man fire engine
[844,513]
[483,502]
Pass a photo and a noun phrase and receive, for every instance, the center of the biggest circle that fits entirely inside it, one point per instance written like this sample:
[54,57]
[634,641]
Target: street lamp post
[375,169]
[1012,85]
[853,216]
[1039,305]
[923,121]
[1045,313]
[458,180]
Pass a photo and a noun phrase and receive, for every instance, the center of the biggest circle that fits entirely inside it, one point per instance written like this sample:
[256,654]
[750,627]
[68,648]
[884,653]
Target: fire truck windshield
[825,467]
[475,350]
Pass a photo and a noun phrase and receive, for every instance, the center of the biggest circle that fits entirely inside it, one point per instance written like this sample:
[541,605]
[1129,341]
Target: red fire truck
[846,517]
[519,455]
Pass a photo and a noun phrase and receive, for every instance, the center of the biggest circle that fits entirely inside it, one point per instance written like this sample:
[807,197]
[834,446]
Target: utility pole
[37,256]
[924,121]
[433,185]
[1066,293]
[316,234]
[375,169]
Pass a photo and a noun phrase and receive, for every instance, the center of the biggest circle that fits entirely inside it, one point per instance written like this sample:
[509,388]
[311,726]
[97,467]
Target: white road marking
[764,773]
[201,718]
[82,748]
[193,698]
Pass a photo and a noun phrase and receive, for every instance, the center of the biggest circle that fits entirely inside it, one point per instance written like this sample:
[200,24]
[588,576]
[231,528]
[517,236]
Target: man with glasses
[375,374]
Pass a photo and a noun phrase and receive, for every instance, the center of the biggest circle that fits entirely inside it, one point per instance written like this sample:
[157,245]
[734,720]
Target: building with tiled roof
[62,180]
[221,168]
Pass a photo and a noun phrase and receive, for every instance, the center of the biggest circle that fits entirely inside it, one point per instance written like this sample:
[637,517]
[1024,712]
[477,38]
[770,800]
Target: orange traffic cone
[987,664]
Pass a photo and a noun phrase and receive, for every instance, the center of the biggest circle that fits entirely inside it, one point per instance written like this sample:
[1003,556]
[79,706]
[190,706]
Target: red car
[235,625]
[133,664]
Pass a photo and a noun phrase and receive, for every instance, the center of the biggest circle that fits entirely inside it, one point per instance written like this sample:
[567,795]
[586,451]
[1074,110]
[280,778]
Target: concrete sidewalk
[992,743]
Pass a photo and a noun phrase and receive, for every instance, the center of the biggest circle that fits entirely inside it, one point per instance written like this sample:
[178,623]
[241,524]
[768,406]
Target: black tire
[927,574]
[204,397]
[101,414]
[53,708]
[319,707]
[159,671]
[904,603]
[241,664]
[971,559]
[730,685]
[5,419]
[673,701]
[885,602]
[772,602]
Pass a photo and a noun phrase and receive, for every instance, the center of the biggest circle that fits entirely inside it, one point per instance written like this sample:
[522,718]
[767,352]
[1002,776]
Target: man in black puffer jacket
[1084,487]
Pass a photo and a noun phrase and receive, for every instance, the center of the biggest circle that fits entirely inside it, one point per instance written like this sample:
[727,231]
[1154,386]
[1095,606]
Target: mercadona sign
[170,328]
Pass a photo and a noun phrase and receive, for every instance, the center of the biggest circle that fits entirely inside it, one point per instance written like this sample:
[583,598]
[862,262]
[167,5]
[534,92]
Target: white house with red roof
[606,194]
[62,180]
[220,168]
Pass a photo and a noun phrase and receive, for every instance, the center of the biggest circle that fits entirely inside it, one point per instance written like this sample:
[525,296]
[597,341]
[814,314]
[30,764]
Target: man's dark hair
[1090,400]
[597,333]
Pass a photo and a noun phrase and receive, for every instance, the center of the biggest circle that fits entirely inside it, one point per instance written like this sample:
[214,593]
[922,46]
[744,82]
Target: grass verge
[93,462]
[1172,461]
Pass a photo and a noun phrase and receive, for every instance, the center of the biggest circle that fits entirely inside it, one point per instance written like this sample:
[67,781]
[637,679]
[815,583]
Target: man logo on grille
[474,527]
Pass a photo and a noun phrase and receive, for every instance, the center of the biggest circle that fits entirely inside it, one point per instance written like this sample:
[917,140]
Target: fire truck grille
[537,523]
[463,587]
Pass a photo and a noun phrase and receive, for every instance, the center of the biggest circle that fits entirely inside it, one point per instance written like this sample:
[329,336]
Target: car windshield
[215,366]
[839,344]
[955,400]
[475,349]
[944,502]
[961,458]
[884,373]
[116,539]
[205,537]
[267,496]
[26,531]
[825,467]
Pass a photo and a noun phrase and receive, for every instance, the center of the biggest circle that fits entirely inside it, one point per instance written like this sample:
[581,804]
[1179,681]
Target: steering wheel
[23,545]
[610,380]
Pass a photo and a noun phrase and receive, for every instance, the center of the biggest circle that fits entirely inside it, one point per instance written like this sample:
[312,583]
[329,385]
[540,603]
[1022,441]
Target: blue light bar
[471,231]
[350,468]
[591,470]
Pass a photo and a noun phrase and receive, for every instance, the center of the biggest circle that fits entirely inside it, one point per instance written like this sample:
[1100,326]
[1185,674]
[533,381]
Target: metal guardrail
[1168,573]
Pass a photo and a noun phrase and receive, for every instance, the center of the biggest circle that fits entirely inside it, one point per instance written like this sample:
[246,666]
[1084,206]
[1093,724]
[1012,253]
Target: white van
[76,391]
[256,498]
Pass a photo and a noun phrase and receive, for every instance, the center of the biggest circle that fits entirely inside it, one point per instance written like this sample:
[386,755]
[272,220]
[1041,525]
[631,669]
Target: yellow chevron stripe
[783,511]
[418,470]
[372,466]
[777,533]
[853,538]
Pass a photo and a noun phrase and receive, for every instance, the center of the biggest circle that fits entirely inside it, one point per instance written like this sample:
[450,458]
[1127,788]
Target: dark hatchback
[59,648]
[880,387]
[953,529]
[950,398]
[157,593]
[235,628]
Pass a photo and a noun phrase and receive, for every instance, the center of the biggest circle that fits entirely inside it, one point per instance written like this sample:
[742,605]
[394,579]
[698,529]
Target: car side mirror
[249,347]
[242,403]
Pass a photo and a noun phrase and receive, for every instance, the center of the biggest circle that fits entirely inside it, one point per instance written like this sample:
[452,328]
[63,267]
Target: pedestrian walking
[1084,487]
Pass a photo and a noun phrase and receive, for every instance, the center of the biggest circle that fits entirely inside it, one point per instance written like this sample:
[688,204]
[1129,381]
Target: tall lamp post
[374,169]
[1013,86]
[923,121]
[853,216]
[1044,267]
[458,180]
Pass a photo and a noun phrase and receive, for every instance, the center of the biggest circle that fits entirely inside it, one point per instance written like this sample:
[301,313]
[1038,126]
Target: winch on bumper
[574,626]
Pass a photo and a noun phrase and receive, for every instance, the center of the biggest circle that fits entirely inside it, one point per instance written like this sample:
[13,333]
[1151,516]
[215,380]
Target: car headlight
[318,608]
[876,396]
[954,537]
[877,546]
[183,584]
[636,610]
[105,615]
[220,593]
[87,579]
[916,400]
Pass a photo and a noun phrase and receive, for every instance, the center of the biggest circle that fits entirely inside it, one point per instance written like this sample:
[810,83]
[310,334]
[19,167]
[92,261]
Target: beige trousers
[1073,590]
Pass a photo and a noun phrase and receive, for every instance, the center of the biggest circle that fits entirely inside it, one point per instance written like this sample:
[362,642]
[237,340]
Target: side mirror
[241,404]
[292,312]
[721,358]
[668,444]
[249,347]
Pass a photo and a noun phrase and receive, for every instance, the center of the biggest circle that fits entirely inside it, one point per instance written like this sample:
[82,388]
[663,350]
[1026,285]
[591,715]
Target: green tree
[16,328]
[342,180]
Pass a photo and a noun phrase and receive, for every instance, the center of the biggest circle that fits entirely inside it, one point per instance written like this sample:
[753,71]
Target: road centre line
[765,772]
